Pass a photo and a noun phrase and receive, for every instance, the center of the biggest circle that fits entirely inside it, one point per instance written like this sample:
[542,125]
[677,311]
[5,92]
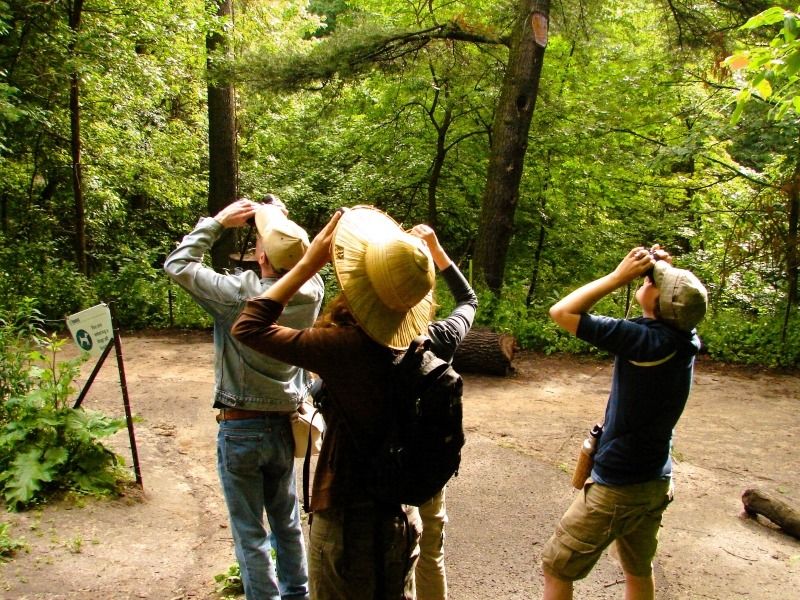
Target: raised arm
[567,311]
[317,255]
[428,235]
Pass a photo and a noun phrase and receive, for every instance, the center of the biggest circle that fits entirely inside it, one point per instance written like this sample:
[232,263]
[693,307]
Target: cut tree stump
[486,352]
[784,516]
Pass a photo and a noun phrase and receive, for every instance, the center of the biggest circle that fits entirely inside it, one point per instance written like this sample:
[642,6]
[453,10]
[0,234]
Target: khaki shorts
[600,514]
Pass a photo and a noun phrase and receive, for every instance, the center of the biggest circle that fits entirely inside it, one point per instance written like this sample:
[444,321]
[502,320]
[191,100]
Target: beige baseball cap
[283,240]
[682,300]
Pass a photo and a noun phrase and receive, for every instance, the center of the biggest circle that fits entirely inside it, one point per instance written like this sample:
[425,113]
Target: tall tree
[510,139]
[75,12]
[223,169]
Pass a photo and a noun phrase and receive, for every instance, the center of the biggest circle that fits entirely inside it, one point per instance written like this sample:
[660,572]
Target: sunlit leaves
[770,71]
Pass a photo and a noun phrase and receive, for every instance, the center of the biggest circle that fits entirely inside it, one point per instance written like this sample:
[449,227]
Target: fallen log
[779,512]
[486,352]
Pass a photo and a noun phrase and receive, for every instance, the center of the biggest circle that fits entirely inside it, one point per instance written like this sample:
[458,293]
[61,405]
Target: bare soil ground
[741,429]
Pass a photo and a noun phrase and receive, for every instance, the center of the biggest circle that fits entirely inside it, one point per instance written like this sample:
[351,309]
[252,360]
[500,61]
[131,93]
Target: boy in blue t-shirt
[631,481]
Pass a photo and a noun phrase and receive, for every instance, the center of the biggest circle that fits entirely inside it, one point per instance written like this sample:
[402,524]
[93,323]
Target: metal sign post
[93,331]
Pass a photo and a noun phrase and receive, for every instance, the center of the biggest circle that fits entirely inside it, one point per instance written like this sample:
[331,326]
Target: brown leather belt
[236,414]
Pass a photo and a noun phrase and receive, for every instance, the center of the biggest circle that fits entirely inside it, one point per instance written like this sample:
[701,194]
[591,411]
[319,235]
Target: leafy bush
[45,445]
[19,328]
[532,326]
[758,340]
[183,311]
[39,270]
[728,336]
[135,288]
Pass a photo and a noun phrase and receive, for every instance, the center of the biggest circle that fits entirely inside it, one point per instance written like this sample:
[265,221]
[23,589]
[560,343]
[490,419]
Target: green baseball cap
[682,298]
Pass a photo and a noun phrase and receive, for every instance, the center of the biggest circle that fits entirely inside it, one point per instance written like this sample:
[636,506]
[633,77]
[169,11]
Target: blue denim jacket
[243,377]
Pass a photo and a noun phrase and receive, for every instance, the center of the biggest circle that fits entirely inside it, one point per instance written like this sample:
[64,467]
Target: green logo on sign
[83,339]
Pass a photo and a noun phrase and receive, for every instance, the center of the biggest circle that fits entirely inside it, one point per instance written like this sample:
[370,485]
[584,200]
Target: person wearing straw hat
[359,549]
[631,481]
[256,396]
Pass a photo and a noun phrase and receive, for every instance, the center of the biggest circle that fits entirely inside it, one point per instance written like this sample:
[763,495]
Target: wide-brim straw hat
[386,276]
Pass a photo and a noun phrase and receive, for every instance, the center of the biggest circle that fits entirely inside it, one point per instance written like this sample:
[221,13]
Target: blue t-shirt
[651,382]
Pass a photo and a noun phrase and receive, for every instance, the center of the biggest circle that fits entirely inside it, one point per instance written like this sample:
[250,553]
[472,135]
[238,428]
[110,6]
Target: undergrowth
[45,445]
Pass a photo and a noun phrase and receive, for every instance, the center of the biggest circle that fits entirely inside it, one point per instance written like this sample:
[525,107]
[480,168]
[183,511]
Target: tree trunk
[487,352]
[784,516]
[75,10]
[223,170]
[537,258]
[438,162]
[510,140]
[792,258]
[792,251]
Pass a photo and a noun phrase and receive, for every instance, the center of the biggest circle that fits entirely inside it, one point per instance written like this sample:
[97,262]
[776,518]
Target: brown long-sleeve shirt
[356,371]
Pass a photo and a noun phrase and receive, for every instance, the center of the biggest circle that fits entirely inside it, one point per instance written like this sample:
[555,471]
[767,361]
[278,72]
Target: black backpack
[422,447]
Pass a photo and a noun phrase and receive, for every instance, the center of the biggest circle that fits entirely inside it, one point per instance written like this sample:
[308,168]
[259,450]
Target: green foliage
[45,445]
[342,103]
[230,582]
[39,270]
[185,312]
[137,290]
[727,335]
[770,71]
[757,340]
[532,327]
[21,331]
[8,545]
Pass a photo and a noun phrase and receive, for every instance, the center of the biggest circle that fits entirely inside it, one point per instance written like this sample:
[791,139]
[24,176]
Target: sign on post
[91,329]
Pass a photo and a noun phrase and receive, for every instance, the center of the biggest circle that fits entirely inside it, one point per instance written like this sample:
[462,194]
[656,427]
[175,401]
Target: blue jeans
[255,462]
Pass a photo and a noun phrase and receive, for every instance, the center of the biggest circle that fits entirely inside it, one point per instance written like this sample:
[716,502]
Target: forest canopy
[541,140]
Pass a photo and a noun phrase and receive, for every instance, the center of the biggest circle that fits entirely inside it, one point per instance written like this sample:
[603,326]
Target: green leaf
[55,456]
[741,99]
[792,64]
[25,477]
[789,28]
[770,16]
[764,89]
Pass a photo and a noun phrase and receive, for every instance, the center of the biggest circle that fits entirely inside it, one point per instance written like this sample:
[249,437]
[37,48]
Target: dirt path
[741,429]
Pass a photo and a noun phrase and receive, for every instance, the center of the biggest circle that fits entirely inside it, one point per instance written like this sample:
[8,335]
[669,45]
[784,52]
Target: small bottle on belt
[586,458]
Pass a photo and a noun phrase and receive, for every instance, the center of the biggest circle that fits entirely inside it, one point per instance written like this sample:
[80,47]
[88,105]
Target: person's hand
[637,262]
[319,252]
[660,254]
[237,213]
[428,235]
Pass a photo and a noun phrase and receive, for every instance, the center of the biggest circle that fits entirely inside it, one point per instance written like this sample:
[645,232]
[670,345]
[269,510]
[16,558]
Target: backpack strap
[319,393]
[307,473]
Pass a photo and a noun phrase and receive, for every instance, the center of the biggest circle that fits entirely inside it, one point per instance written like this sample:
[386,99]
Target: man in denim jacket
[255,395]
